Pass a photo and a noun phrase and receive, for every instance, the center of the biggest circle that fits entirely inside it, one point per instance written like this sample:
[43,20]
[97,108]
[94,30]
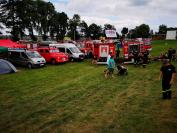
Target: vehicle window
[133,48]
[62,50]
[41,50]
[33,54]
[15,54]
[54,51]
[74,50]
[68,51]
[24,55]
[47,51]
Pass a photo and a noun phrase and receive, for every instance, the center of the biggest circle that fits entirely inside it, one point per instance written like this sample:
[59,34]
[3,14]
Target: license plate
[41,64]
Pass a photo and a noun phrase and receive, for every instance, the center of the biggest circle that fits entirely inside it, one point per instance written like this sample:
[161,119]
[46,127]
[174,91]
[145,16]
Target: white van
[71,49]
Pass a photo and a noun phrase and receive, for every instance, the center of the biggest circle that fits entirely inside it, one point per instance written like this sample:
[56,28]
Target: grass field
[75,97]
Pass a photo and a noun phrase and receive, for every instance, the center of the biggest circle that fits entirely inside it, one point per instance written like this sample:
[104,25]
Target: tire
[54,62]
[29,65]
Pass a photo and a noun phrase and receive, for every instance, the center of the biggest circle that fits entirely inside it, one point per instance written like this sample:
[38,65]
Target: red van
[53,55]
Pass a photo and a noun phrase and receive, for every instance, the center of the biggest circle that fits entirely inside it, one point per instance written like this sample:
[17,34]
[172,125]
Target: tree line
[38,16]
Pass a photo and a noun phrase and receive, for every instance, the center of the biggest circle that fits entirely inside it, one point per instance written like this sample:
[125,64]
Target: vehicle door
[63,50]
[47,55]
[69,53]
[14,57]
[24,59]
[104,50]
[41,51]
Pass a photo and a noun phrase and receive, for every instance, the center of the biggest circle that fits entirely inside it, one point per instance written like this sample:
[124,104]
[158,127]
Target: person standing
[111,66]
[145,58]
[109,56]
[167,73]
[135,57]
[170,53]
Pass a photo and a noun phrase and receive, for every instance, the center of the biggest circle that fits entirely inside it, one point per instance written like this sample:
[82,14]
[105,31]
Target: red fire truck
[147,43]
[129,46]
[101,50]
[86,47]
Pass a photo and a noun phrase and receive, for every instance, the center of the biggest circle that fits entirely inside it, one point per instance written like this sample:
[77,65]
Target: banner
[111,33]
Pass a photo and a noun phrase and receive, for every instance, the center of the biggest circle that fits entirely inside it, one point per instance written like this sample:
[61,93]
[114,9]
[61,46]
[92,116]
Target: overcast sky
[121,13]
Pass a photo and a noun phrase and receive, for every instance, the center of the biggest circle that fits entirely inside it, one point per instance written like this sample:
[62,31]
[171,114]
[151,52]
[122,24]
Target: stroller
[122,70]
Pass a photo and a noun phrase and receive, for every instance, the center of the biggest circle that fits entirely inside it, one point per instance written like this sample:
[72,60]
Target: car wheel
[30,66]
[54,61]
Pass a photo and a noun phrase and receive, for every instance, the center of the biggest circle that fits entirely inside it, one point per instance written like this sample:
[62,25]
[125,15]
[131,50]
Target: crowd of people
[140,58]
[170,54]
[167,71]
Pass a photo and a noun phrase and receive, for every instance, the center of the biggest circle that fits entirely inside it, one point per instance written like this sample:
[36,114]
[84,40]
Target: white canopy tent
[171,35]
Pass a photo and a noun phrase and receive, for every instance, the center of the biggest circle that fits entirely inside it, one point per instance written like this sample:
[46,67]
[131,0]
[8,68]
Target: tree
[72,26]
[95,31]
[84,29]
[10,18]
[58,25]
[124,31]
[132,34]
[45,12]
[28,14]
[1,16]
[109,27]
[142,31]
[162,29]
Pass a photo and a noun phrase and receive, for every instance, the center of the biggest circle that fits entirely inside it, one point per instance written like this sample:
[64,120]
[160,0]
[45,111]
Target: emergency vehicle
[130,46]
[101,50]
[86,47]
[147,43]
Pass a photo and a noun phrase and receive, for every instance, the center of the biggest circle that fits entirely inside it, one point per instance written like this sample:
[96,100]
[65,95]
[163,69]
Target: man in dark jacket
[167,73]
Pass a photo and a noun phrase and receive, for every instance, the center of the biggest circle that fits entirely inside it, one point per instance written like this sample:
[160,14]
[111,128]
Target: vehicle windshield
[48,42]
[74,50]
[33,54]
[54,51]
[80,45]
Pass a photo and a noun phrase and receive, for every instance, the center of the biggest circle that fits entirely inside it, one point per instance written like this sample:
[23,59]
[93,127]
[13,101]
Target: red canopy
[10,44]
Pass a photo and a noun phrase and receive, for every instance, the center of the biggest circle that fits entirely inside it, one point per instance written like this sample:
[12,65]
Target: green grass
[75,97]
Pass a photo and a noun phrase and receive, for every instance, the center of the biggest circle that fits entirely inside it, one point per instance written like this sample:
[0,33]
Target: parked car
[26,58]
[53,55]
[70,49]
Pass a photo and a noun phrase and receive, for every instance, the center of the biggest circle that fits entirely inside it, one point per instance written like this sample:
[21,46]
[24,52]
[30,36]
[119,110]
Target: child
[111,65]
[122,70]
[94,60]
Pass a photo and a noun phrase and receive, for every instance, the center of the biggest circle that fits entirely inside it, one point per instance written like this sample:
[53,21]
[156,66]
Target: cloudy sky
[122,13]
